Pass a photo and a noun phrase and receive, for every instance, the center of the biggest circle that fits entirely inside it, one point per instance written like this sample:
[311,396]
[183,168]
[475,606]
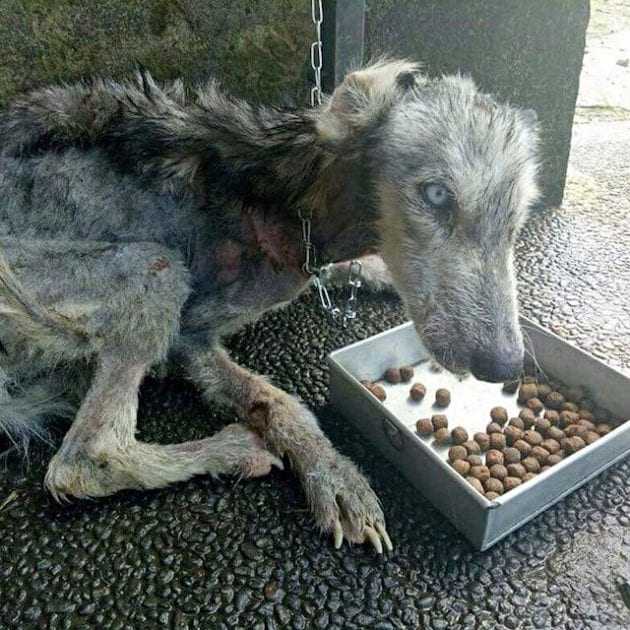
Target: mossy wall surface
[258,49]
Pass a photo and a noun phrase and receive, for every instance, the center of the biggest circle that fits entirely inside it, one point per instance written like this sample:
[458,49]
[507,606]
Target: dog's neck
[343,223]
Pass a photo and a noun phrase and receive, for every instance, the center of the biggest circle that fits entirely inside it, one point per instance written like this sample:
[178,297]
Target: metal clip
[324,298]
[354,282]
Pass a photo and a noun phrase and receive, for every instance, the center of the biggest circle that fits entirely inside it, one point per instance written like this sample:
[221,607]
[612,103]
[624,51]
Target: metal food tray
[391,425]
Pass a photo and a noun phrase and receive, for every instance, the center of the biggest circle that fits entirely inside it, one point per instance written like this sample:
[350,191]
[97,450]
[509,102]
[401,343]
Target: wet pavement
[221,554]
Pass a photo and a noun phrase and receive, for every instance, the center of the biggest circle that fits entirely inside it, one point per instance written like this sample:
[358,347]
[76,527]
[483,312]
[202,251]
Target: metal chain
[316,52]
[310,259]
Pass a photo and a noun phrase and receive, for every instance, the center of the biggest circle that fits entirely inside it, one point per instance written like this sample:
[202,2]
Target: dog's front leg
[339,496]
[374,274]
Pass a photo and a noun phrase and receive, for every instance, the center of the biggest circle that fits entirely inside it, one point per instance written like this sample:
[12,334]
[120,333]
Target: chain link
[317,14]
[319,275]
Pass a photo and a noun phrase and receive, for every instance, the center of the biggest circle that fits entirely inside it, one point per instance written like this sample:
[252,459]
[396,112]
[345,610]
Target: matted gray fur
[141,223]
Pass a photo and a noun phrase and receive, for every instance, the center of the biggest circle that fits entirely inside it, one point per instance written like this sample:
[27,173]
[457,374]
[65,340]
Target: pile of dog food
[554,422]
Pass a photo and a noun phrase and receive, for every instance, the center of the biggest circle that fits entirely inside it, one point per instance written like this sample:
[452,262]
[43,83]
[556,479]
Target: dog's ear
[364,96]
[530,117]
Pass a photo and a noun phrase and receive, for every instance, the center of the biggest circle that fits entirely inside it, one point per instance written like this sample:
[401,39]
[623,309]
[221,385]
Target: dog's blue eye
[436,195]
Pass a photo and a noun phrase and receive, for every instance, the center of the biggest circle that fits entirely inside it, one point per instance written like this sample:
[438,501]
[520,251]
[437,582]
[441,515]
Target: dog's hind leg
[100,454]
[339,496]
[125,301]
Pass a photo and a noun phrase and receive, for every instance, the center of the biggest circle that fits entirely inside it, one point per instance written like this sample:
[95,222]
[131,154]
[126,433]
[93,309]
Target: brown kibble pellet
[587,424]
[528,417]
[475,483]
[417,392]
[493,485]
[540,453]
[529,476]
[566,418]
[461,466]
[569,406]
[472,447]
[590,436]
[516,470]
[498,471]
[574,429]
[459,435]
[480,472]
[543,391]
[392,375]
[551,445]
[442,397]
[573,444]
[585,414]
[546,467]
[532,437]
[518,423]
[554,400]
[497,441]
[406,373]
[474,460]
[510,387]
[457,452]
[527,391]
[493,427]
[552,415]
[523,447]
[491,496]
[509,483]
[424,426]
[512,434]
[493,457]
[499,415]
[511,455]
[439,422]
[553,459]
[483,440]
[555,433]
[442,436]
[603,428]
[366,384]
[542,425]
[531,464]
[379,392]
[535,405]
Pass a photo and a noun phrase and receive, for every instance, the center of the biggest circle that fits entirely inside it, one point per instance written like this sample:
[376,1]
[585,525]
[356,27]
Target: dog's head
[454,173]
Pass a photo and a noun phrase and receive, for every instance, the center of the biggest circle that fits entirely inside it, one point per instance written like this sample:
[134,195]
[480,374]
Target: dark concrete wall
[526,51]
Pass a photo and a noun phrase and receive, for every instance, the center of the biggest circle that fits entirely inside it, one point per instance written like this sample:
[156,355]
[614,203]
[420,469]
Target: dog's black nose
[495,366]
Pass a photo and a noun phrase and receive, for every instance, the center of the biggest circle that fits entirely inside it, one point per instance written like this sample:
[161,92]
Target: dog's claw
[374,538]
[338,534]
[385,536]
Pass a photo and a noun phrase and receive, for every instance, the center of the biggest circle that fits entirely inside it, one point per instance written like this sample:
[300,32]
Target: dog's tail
[43,327]
[24,412]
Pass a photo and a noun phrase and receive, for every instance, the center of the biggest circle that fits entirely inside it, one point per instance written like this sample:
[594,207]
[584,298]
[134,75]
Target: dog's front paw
[344,505]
